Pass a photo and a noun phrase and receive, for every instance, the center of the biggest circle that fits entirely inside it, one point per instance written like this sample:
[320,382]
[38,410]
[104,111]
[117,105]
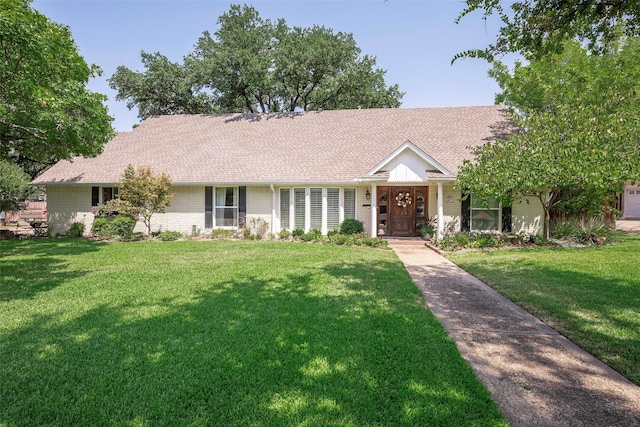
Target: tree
[145,192]
[579,124]
[14,186]
[46,112]
[254,65]
[536,28]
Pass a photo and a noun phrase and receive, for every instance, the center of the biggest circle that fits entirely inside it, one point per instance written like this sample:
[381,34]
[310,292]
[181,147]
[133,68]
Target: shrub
[255,228]
[99,227]
[297,232]
[76,229]
[338,239]
[221,233]
[306,237]
[120,227]
[594,231]
[168,235]
[284,234]
[351,226]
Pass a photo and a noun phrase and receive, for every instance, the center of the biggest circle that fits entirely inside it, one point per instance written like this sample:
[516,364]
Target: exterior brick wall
[528,216]
[66,205]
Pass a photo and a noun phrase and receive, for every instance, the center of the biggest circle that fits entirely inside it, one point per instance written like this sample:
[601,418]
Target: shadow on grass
[33,266]
[361,349]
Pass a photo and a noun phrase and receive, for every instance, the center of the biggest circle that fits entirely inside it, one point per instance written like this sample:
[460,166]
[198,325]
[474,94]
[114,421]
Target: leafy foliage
[255,65]
[46,112]
[119,227]
[14,186]
[537,28]
[168,235]
[351,226]
[76,229]
[145,192]
[579,124]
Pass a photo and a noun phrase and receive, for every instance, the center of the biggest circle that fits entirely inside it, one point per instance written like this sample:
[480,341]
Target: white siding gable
[407,166]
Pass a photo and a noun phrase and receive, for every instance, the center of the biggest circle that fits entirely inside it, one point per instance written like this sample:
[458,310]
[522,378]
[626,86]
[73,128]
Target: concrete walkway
[537,376]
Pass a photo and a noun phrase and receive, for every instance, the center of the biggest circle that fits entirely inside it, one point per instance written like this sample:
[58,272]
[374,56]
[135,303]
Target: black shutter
[506,219]
[465,214]
[208,207]
[242,206]
[95,196]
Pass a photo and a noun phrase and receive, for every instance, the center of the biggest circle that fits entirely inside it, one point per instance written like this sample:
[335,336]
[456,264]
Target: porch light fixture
[367,195]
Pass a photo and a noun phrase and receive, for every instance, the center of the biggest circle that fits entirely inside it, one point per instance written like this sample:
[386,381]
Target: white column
[440,211]
[274,213]
[307,209]
[374,211]
[324,226]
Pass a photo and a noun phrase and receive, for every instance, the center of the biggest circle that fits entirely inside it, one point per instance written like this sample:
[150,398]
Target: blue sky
[413,40]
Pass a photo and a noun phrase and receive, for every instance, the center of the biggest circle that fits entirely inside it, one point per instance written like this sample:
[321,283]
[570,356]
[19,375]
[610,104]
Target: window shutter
[465,214]
[333,208]
[316,208]
[208,207]
[299,207]
[95,196]
[506,219]
[242,206]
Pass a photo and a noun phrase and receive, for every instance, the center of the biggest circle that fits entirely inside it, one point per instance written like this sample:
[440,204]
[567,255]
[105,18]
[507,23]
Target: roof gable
[408,163]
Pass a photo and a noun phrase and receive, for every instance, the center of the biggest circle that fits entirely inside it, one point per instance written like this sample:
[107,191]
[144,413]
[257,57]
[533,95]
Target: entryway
[401,210]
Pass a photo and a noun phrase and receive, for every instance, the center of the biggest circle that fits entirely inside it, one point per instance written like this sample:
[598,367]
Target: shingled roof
[299,147]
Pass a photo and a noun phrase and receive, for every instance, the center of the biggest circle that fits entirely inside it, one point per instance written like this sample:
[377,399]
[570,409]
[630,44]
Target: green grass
[223,333]
[590,295]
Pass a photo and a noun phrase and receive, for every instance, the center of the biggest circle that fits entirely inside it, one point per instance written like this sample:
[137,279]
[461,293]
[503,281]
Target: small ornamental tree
[145,192]
[14,186]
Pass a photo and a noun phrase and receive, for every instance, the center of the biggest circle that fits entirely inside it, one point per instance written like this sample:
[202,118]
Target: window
[226,206]
[108,193]
[315,208]
[349,203]
[485,217]
[333,208]
[299,207]
[285,200]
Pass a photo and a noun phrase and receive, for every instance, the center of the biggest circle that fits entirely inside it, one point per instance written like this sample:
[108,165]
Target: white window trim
[471,209]
[236,198]
[325,205]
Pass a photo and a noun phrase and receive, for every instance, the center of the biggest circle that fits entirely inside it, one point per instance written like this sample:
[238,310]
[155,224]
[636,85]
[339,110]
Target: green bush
[284,234]
[338,239]
[100,227]
[120,227]
[306,237]
[594,231]
[351,226]
[76,229]
[221,233]
[297,232]
[167,236]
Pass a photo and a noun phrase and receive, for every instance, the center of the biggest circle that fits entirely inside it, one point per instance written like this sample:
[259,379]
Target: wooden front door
[402,206]
[402,210]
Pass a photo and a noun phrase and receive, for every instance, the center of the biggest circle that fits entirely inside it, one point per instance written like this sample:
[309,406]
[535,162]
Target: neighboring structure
[392,169]
[630,203]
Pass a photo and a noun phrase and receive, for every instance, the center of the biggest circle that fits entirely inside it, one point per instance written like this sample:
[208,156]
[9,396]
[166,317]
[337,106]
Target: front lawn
[590,295]
[223,333]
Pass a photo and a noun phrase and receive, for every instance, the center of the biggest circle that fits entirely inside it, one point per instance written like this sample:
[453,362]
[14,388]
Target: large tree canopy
[580,130]
[46,112]
[254,65]
[535,28]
